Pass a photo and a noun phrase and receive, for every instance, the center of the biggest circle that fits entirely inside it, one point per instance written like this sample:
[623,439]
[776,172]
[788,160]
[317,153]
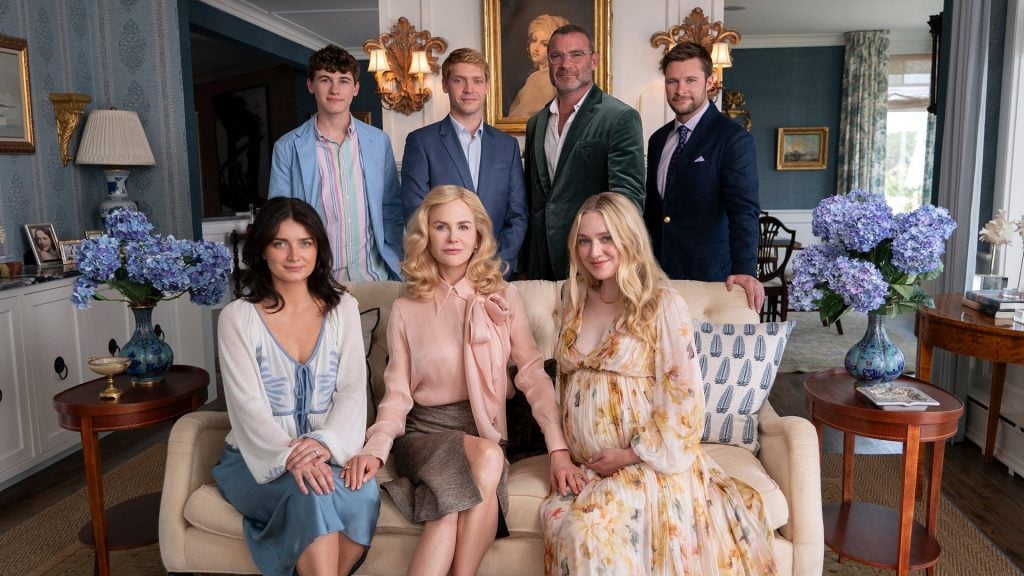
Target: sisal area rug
[47,544]
[813,347]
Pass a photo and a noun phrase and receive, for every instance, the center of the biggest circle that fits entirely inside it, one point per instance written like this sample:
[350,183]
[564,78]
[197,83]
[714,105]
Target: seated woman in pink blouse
[450,338]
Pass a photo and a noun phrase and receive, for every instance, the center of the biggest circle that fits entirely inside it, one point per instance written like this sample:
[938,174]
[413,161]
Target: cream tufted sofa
[201,532]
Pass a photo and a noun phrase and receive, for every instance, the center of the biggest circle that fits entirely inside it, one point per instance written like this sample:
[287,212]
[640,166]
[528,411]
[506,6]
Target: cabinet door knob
[60,367]
[159,332]
[112,347]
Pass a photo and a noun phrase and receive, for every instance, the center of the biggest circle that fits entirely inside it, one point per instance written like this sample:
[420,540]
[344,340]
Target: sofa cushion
[741,464]
[738,363]
[207,510]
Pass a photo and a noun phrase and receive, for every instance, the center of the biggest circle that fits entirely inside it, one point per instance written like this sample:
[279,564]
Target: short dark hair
[256,282]
[332,58]
[573,29]
[686,51]
[464,56]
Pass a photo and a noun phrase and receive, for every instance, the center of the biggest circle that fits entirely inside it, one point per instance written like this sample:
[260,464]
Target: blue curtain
[861,162]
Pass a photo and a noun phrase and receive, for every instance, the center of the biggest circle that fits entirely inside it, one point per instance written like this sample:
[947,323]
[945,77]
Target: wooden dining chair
[774,249]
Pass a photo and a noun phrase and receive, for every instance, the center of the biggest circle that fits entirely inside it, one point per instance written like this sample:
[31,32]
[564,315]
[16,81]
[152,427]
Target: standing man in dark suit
[702,203]
[464,151]
[582,143]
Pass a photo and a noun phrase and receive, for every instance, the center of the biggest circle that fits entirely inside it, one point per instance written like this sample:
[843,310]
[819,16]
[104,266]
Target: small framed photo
[69,251]
[802,149]
[43,240]
[90,234]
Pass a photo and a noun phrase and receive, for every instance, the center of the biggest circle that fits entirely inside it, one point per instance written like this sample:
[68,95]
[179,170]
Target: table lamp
[115,139]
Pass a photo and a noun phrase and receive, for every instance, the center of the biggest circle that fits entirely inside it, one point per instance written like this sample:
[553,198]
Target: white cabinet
[15,424]
[45,344]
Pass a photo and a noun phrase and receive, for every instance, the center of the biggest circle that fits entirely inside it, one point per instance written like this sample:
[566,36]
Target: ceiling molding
[900,41]
[259,17]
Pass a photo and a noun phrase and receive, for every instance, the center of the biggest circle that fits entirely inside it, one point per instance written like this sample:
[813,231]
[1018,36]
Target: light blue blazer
[294,174]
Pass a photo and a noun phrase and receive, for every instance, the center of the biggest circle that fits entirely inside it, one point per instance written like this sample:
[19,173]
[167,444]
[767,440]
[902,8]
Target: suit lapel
[488,151]
[539,159]
[701,133]
[584,116]
[450,141]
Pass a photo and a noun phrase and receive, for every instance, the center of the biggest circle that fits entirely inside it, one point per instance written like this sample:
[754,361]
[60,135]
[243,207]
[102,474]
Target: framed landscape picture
[16,136]
[802,149]
[515,46]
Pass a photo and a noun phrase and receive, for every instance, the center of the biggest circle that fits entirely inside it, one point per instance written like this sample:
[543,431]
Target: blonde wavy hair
[485,268]
[638,276]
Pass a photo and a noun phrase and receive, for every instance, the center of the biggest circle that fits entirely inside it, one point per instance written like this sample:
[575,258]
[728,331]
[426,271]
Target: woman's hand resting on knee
[317,475]
[359,470]
[565,475]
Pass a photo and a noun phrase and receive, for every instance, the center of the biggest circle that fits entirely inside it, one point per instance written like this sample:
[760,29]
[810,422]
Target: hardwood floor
[985,493]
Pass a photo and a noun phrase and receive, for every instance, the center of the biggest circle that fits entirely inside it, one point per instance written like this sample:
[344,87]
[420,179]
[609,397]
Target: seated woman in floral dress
[450,337]
[654,502]
[291,357]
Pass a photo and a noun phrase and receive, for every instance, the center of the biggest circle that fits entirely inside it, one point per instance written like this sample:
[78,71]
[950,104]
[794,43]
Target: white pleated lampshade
[114,138]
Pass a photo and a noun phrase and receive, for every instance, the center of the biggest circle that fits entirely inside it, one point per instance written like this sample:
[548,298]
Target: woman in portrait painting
[537,90]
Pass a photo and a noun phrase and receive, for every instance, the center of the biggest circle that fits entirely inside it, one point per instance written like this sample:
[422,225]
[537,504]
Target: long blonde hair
[639,277]
[420,269]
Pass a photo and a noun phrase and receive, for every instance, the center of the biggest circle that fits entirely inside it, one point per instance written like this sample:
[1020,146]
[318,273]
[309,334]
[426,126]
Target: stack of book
[1002,306]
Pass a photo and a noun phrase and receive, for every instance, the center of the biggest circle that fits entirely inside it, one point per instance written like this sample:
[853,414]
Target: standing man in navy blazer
[464,151]
[702,204]
[346,170]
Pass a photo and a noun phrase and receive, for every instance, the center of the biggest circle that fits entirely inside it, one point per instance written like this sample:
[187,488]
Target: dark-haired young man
[345,169]
[702,205]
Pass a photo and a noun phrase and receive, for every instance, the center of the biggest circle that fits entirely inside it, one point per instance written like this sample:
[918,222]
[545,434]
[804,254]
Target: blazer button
[667,219]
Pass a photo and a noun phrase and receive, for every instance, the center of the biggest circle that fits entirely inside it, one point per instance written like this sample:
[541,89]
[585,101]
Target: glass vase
[875,360]
[151,357]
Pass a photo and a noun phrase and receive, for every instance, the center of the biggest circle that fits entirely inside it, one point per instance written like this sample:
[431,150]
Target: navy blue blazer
[433,156]
[706,227]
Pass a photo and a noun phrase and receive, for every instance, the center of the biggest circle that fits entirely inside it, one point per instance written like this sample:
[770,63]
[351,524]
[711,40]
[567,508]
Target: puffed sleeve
[531,377]
[397,401]
[669,440]
[343,429]
[260,439]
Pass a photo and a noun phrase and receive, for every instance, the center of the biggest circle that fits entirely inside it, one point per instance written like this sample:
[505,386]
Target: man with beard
[702,204]
[582,143]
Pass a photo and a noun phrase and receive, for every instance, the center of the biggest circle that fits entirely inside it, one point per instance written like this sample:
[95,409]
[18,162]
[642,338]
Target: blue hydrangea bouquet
[869,259]
[145,268]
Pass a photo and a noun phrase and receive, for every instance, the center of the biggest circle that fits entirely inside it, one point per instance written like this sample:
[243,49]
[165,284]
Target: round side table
[869,533]
[133,523]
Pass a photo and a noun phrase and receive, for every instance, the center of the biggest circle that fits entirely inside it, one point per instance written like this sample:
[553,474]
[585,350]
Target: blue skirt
[280,522]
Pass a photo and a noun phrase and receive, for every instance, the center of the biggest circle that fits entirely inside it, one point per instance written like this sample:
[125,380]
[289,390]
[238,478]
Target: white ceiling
[762,23]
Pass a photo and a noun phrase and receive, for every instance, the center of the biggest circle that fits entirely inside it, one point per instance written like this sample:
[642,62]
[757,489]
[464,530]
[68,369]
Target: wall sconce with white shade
[713,36]
[114,138]
[68,108]
[399,60]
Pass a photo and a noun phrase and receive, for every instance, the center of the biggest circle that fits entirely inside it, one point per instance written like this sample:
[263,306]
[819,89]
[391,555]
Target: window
[910,133]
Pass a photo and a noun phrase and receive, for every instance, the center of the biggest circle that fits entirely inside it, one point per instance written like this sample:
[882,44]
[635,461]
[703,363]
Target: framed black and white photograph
[802,149]
[69,251]
[243,147]
[43,240]
[515,45]
[16,136]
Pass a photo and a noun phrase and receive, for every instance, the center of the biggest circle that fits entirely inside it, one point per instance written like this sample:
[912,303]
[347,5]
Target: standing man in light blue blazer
[346,170]
[464,151]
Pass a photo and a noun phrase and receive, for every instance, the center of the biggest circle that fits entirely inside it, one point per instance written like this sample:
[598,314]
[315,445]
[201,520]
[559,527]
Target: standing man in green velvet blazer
[582,143]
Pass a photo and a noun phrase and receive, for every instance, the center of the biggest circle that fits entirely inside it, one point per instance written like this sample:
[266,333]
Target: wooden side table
[952,326]
[869,533]
[133,523]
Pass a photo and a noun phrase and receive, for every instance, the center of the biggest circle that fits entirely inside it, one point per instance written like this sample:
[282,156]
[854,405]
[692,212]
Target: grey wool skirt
[433,474]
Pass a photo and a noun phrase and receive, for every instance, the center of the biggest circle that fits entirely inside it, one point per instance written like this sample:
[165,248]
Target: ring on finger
[317,452]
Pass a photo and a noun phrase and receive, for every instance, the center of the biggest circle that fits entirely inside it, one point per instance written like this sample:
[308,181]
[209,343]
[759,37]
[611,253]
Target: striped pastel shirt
[345,210]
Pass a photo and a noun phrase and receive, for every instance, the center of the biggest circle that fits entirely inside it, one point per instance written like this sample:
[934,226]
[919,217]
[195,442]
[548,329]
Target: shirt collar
[349,133]
[443,291]
[553,107]
[465,132]
[691,124]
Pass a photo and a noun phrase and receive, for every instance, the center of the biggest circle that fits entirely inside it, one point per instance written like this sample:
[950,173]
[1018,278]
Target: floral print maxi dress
[675,513]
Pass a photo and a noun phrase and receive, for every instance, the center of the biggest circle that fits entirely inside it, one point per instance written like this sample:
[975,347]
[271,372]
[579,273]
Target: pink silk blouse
[456,346]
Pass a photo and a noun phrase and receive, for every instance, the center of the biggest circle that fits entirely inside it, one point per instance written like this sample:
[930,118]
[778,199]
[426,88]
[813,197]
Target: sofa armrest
[790,454]
[193,448]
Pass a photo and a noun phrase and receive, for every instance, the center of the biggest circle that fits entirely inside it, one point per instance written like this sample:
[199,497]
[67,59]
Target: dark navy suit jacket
[706,227]
[433,156]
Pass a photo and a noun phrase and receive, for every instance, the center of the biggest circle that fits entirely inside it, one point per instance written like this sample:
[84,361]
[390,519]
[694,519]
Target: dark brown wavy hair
[257,284]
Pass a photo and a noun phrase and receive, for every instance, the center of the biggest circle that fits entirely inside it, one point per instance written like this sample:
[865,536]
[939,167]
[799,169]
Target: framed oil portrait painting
[43,240]
[516,36]
[802,149]
[16,136]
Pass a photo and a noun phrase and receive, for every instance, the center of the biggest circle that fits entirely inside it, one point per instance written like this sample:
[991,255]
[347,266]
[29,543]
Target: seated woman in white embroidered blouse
[653,502]
[450,338]
[291,357]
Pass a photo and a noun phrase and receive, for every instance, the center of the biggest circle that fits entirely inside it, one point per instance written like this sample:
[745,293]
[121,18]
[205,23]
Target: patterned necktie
[684,132]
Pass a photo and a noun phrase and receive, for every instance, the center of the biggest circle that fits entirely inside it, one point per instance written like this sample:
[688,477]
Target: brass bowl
[109,366]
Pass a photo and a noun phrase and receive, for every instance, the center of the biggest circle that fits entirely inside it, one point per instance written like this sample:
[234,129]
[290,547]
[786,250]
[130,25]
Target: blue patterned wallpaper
[125,54]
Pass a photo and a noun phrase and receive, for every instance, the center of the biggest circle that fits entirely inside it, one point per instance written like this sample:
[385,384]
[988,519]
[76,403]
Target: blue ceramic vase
[875,360]
[151,357]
